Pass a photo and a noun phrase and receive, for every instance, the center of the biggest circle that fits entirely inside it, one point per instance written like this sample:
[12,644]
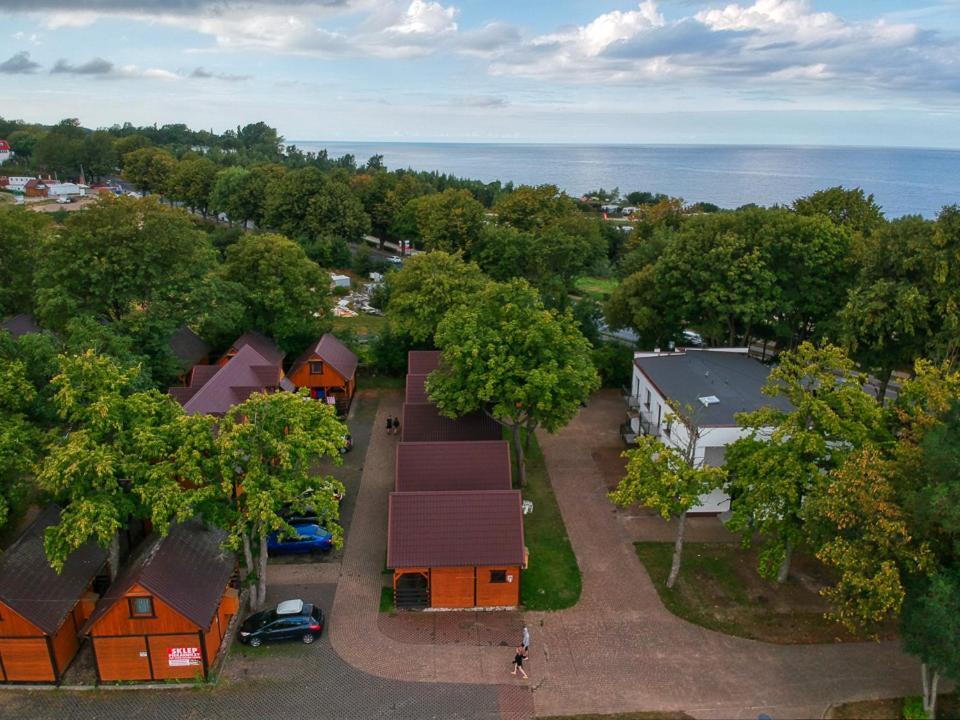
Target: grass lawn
[948,706]
[596,287]
[552,582]
[381,382]
[363,325]
[386,599]
[719,588]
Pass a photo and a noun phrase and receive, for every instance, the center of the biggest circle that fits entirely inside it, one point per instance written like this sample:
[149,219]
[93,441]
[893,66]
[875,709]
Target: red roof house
[429,466]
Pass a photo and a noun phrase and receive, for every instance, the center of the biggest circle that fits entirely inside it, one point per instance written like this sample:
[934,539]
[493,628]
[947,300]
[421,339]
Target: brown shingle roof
[188,347]
[262,344]
[420,362]
[247,372]
[331,351]
[187,569]
[20,325]
[450,529]
[428,466]
[30,587]
[423,423]
[416,389]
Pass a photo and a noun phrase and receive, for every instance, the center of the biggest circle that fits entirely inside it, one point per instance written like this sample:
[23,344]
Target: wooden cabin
[427,466]
[41,611]
[188,349]
[165,616]
[455,549]
[422,362]
[266,347]
[422,422]
[329,369]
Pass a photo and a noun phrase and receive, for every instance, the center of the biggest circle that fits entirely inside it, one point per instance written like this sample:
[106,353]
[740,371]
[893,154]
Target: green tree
[636,303]
[442,277]
[191,182]
[287,202]
[22,234]
[336,212]
[851,208]
[98,157]
[267,448]
[149,169]
[285,294]
[127,454]
[532,208]
[448,221]
[508,356]
[60,150]
[20,440]
[666,479]
[792,448]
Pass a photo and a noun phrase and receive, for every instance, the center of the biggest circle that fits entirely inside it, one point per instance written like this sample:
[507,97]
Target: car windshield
[258,621]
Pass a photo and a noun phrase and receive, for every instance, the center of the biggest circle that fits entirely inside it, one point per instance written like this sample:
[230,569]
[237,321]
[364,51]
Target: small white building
[717,383]
[18,183]
[340,280]
[65,189]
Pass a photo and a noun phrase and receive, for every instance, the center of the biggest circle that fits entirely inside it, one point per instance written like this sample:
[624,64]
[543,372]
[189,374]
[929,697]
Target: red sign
[184,656]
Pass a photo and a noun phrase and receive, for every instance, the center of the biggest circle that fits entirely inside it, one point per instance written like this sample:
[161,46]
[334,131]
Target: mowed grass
[719,588]
[552,582]
[363,325]
[596,287]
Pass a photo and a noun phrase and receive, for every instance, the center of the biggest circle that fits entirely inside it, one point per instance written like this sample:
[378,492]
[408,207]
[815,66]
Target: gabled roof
[423,423]
[427,466]
[420,362]
[188,347]
[331,351]
[187,569]
[451,529]
[734,378]
[31,588]
[262,344]
[20,325]
[416,391]
[221,388]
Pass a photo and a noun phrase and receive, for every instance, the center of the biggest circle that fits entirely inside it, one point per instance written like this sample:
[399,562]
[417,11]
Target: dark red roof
[262,344]
[420,362]
[452,528]
[423,423]
[188,347]
[188,569]
[331,351]
[31,588]
[20,325]
[427,466]
[220,388]
[416,389]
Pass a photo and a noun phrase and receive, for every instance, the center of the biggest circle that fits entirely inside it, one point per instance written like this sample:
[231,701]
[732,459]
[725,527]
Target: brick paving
[501,629]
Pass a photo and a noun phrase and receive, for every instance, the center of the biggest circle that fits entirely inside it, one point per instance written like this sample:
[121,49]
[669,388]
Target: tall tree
[267,448]
[852,208]
[22,234]
[667,479]
[191,182]
[792,448]
[285,294]
[20,440]
[287,203]
[442,277]
[337,212]
[149,169]
[508,356]
[449,221]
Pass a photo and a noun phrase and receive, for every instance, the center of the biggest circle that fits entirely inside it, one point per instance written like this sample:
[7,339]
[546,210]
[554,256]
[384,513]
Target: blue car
[308,538]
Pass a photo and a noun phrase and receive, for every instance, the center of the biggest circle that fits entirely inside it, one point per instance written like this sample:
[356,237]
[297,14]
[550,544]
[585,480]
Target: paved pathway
[619,649]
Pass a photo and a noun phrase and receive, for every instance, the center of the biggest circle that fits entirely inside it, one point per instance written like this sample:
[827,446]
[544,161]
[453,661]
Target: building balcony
[649,423]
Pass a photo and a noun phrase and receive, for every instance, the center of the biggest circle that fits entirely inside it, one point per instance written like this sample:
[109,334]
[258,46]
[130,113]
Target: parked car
[395,260]
[64,199]
[307,538]
[290,620]
[693,339]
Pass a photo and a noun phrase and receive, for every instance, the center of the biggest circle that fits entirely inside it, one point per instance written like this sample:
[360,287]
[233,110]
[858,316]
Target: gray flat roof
[733,378]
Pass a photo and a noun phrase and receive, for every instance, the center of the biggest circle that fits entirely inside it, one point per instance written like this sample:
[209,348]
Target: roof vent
[708,400]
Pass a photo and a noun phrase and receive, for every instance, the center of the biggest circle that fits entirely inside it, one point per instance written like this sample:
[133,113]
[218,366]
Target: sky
[805,72]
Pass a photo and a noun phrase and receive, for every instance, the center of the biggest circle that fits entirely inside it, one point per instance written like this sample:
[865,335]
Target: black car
[308,514]
[290,620]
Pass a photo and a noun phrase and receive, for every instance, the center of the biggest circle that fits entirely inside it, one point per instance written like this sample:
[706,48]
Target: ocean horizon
[903,180]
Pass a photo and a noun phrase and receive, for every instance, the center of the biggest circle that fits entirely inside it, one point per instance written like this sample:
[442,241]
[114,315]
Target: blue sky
[848,72]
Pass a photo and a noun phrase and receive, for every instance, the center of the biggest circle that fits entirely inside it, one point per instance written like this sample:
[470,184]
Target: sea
[903,181]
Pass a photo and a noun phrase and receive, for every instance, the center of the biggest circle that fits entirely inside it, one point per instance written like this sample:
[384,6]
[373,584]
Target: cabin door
[412,591]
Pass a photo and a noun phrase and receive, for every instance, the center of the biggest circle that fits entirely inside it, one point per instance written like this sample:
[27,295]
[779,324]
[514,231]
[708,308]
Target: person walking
[526,640]
[389,424]
[396,425]
[518,659]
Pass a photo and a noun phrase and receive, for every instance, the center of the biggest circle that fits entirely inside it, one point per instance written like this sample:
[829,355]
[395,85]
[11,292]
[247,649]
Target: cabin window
[141,607]
[316,367]
[498,576]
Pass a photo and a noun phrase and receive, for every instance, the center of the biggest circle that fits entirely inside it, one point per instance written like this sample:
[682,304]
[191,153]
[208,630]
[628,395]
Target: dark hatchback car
[290,620]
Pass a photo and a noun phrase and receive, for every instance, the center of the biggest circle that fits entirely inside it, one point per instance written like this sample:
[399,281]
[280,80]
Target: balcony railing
[649,423]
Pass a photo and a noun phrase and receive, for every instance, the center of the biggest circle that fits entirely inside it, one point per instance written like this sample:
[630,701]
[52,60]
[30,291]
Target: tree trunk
[526,439]
[114,556]
[248,556]
[677,550]
[262,571]
[518,449]
[884,382]
[784,572]
[931,678]
[732,336]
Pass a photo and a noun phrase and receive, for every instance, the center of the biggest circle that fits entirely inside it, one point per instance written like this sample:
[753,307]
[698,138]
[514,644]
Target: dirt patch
[611,465]
[719,587]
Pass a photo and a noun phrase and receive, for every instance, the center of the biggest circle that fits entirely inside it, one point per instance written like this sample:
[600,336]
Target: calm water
[903,181]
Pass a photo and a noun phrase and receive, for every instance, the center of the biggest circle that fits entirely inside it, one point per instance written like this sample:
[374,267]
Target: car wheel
[255,642]
[308,638]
